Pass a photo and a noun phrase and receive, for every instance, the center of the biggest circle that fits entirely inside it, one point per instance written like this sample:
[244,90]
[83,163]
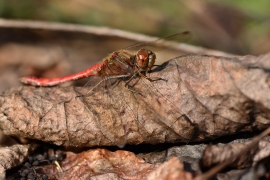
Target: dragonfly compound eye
[145,59]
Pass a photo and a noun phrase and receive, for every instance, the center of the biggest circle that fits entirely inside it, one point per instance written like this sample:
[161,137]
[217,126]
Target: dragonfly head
[145,59]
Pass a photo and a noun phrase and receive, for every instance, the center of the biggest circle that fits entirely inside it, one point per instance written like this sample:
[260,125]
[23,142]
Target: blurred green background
[240,27]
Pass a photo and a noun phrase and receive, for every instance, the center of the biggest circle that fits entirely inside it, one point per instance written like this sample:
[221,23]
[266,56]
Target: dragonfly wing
[164,110]
[160,44]
[101,101]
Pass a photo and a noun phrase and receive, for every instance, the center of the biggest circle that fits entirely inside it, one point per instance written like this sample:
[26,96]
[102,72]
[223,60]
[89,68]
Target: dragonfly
[122,63]
[126,65]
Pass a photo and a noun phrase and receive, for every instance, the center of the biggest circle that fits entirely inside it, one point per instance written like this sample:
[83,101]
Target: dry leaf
[214,155]
[199,98]
[102,164]
[239,158]
[13,156]
[170,170]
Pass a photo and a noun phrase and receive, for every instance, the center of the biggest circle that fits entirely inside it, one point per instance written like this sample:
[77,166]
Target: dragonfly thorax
[145,59]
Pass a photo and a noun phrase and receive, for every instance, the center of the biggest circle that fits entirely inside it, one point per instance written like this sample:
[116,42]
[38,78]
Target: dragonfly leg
[156,79]
[129,87]
[133,90]
[151,79]
[132,77]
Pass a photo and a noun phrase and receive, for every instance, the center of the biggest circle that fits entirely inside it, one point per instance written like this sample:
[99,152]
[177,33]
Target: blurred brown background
[239,27]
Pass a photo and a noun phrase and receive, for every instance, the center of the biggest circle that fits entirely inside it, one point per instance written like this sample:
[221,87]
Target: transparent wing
[162,107]
[160,44]
[105,102]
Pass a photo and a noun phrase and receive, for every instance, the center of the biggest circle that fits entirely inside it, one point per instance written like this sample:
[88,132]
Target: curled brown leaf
[214,155]
[102,164]
[199,98]
[13,156]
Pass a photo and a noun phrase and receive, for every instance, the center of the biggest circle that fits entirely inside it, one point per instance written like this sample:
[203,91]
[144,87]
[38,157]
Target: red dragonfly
[126,65]
[122,63]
